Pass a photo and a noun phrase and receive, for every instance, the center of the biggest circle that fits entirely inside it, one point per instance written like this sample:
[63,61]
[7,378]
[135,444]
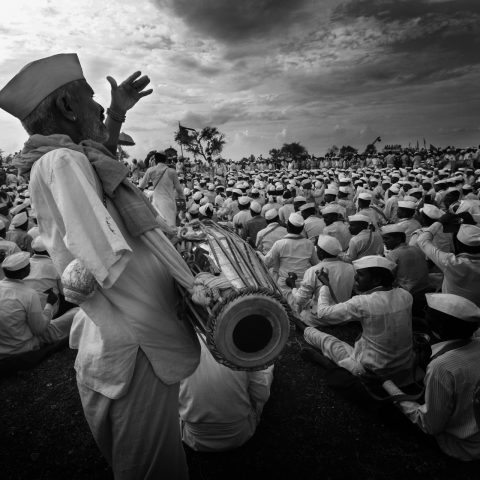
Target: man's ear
[65,106]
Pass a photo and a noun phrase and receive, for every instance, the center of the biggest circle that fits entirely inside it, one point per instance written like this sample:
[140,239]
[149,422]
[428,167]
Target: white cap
[186,191]
[370,261]
[16,261]
[197,195]
[255,207]
[394,189]
[330,244]
[296,220]
[432,211]
[359,218]
[306,206]
[331,191]
[299,199]
[469,235]
[344,190]
[454,305]
[365,196]
[18,208]
[394,228]
[203,209]
[38,244]
[271,213]
[237,191]
[244,200]
[406,204]
[36,81]
[19,219]
[332,208]
[194,208]
[415,190]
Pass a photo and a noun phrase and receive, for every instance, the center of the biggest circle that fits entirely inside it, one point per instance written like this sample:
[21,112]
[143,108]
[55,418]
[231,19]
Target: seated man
[340,273]
[256,224]
[385,314]
[365,240]
[313,225]
[461,269]
[411,272]
[292,254]
[18,232]
[335,226]
[24,325]
[451,411]
[6,246]
[43,276]
[271,233]
[220,408]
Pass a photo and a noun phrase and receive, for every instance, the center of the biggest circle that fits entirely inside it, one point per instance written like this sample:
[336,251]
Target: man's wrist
[117,115]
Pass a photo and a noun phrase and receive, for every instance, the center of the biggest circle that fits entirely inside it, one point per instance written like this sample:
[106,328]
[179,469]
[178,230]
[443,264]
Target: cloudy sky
[266,72]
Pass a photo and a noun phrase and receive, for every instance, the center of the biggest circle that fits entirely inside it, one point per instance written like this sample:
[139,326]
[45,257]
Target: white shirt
[269,235]
[365,243]
[293,253]
[339,230]
[42,276]
[448,409]
[341,277]
[386,319]
[217,404]
[21,318]
[135,303]
[313,226]
[461,273]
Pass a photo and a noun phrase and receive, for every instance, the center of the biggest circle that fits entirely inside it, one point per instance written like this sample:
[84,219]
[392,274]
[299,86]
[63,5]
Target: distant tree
[332,151]
[294,150]
[275,154]
[207,143]
[348,151]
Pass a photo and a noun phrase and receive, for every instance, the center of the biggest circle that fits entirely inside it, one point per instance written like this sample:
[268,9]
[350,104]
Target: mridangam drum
[236,306]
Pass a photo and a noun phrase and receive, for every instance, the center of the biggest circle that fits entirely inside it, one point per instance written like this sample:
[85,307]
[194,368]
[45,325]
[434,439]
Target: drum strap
[260,238]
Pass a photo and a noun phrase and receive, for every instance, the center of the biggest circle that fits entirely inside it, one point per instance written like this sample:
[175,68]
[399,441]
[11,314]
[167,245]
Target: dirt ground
[308,431]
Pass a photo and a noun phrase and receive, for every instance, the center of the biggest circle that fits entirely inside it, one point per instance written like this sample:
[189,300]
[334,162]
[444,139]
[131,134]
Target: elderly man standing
[133,350]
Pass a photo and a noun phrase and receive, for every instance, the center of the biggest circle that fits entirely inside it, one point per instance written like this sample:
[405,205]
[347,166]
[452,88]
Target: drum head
[249,331]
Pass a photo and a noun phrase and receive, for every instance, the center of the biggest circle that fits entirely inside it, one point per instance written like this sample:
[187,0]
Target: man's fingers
[141,83]
[145,93]
[132,77]
[112,82]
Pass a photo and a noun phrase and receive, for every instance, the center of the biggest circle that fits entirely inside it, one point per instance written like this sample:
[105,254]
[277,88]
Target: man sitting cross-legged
[341,278]
[385,314]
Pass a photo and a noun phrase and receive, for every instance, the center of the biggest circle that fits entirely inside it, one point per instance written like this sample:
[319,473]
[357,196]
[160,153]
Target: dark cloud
[404,10]
[194,66]
[233,21]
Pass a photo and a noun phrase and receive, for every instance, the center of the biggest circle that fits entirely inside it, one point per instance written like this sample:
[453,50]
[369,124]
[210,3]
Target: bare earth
[308,431]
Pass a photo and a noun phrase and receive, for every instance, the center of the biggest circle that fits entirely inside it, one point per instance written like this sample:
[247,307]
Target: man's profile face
[90,115]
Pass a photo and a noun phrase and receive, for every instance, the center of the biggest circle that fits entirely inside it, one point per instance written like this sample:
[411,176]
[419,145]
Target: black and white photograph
[240,239]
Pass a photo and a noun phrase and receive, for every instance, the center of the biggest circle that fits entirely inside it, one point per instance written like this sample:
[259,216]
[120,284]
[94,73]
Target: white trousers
[139,433]
[333,348]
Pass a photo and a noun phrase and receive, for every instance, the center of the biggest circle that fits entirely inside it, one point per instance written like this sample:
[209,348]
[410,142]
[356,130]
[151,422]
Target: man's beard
[94,129]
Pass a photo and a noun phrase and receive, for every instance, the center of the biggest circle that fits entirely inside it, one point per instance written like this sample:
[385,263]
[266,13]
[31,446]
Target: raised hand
[129,92]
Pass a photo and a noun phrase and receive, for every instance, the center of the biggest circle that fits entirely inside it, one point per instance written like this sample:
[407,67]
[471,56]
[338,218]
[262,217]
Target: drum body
[243,316]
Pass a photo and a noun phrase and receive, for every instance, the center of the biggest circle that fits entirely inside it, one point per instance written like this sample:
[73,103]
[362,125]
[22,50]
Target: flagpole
[181,146]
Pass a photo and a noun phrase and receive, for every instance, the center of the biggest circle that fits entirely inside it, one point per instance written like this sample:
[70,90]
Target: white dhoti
[165,206]
[139,433]
[333,348]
